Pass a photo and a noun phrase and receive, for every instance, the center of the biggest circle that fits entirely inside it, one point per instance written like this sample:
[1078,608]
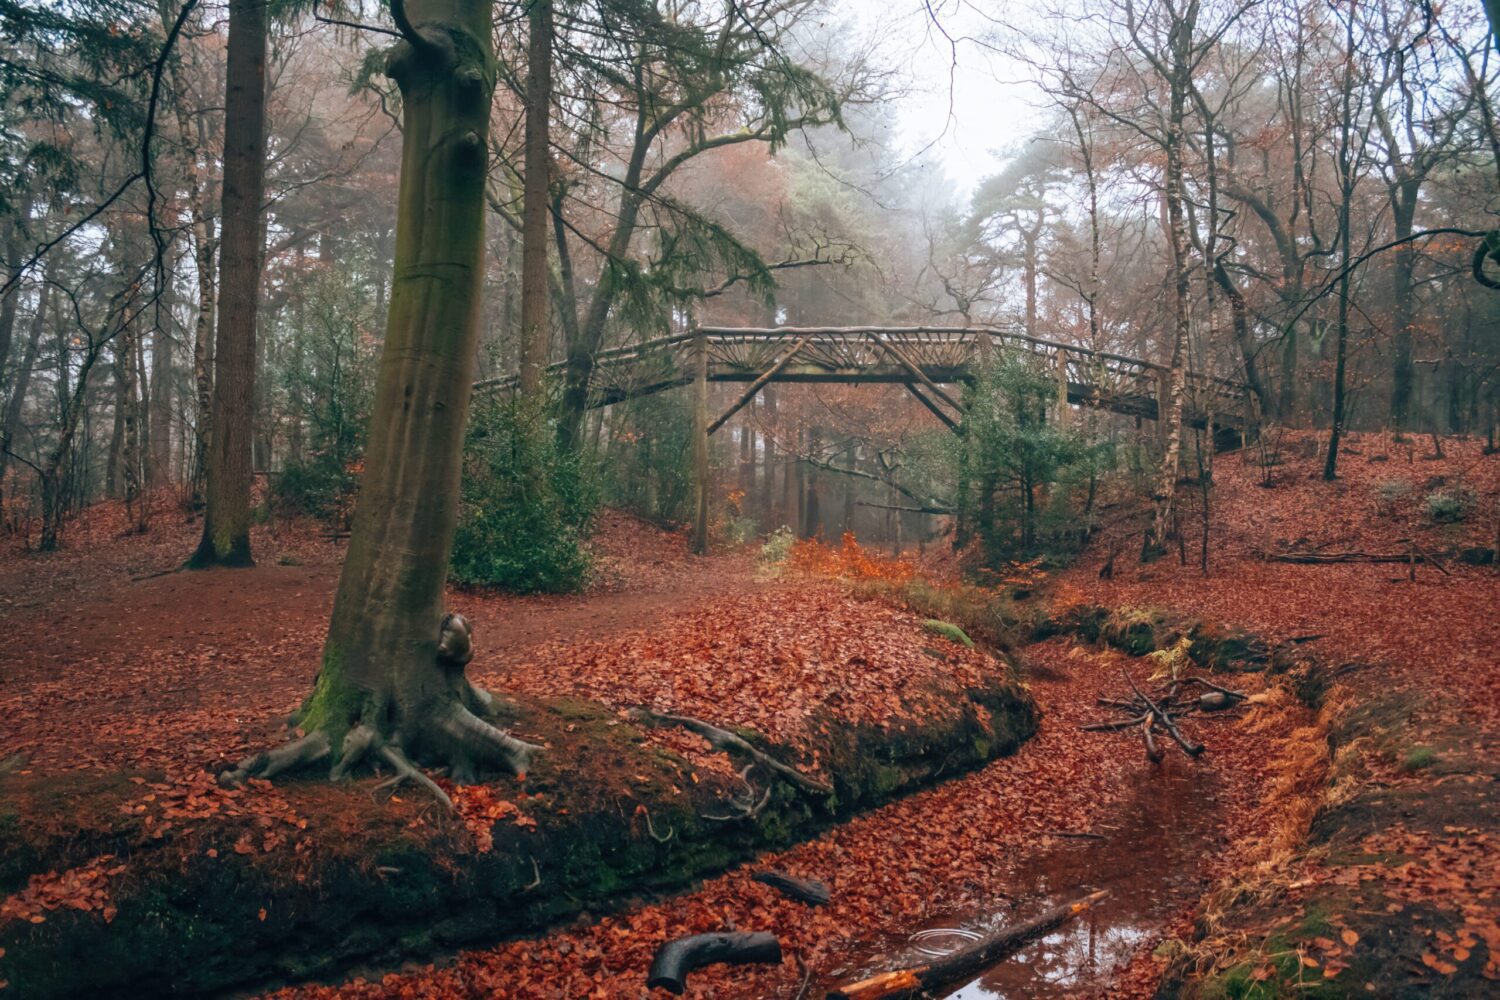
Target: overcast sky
[993,108]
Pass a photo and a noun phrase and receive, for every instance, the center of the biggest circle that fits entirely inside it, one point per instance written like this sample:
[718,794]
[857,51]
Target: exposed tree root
[307,750]
[746,807]
[447,732]
[407,771]
[472,743]
[723,739]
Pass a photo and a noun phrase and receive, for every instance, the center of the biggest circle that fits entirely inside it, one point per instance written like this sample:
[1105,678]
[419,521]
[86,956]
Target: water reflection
[1150,863]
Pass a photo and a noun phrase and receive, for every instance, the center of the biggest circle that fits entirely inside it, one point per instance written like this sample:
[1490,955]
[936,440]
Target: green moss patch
[948,631]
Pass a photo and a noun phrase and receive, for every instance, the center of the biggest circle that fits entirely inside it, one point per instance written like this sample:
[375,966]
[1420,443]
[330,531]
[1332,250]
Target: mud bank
[324,879]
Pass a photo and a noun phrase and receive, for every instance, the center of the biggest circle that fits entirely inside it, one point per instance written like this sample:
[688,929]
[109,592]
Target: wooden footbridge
[921,358]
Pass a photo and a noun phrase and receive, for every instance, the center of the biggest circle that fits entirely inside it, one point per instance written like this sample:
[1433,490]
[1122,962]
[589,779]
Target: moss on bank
[196,916]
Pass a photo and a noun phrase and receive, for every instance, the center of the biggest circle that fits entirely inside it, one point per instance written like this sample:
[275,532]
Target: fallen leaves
[481,809]
[951,849]
[85,888]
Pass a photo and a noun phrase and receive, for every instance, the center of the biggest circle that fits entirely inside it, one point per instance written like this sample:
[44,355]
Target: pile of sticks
[1160,714]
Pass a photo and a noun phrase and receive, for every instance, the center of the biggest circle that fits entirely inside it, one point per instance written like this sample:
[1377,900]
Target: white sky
[994,107]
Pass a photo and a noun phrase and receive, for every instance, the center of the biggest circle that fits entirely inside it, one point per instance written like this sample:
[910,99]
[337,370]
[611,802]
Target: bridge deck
[909,356]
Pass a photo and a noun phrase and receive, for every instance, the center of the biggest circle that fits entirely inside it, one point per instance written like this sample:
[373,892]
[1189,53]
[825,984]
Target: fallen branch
[1322,558]
[675,959]
[1162,713]
[803,890]
[966,961]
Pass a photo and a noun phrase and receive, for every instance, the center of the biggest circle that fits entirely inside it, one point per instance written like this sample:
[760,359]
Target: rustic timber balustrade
[921,358]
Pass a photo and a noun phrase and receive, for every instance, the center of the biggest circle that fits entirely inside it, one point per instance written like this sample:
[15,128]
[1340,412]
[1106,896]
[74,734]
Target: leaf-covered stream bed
[981,849]
[1149,854]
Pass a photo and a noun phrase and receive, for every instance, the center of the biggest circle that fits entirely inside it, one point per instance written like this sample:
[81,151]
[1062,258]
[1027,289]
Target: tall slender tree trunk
[535,284]
[226,524]
[1165,487]
[812,516]
[117,369]
[11,240]
[159,469]
[1346,178]
[127,346]
[1403,269]
[768,466]
[17,402]
[199,198]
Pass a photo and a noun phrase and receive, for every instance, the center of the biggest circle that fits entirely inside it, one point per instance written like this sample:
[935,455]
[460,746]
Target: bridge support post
[700,442]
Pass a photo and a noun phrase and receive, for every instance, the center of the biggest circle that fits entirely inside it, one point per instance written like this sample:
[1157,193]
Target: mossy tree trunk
[392,681]
[226,525]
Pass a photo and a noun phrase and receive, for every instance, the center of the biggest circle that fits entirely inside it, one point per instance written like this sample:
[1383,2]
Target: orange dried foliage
[848,562]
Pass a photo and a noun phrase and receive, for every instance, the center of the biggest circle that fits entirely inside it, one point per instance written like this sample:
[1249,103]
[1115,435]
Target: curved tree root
[307,750]
[407,771]
[459,737]
[723,739]
[473,742]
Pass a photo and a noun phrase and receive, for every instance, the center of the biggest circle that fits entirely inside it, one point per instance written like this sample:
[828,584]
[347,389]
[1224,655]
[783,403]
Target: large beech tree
[392,683]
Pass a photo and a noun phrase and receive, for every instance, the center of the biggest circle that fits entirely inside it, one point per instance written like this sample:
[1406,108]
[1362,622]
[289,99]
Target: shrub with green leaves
[328,382]
[648,458]
[1449,506]
[1021,473]
[778,546]
[526,504]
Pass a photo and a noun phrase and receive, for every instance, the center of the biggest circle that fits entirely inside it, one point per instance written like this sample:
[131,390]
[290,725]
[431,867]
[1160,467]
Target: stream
[1149,860]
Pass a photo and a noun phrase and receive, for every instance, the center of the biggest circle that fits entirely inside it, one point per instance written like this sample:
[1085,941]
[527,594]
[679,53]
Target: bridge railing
[942,351]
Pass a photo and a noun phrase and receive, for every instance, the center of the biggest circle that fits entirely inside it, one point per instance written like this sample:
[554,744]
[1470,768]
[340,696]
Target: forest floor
[1397,890]
[108,667]
[104,639]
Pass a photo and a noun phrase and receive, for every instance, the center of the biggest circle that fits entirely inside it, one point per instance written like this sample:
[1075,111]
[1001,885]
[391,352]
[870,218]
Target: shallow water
[1150,861]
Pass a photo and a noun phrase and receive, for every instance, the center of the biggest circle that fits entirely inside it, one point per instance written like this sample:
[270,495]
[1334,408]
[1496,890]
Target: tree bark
[1346,204]
[1165,486]
[535,283]
[700,445]
[392,681]
[1403,201]
[12,243]
[17,401]
[226,524]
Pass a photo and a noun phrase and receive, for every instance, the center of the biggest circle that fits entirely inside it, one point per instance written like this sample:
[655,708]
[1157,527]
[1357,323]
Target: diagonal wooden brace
[917,372]
[759,384]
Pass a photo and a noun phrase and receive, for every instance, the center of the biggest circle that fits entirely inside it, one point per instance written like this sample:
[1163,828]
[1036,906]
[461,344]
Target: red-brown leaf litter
[114,664]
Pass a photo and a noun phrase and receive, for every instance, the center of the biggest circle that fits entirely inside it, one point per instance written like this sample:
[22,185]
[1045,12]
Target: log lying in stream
[803,890]
[966,961]
[675,959]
